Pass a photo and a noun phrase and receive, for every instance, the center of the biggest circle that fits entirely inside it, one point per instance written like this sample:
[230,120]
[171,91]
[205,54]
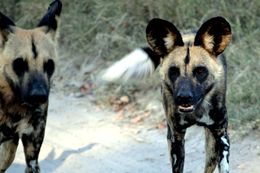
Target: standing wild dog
[193,84]
[26,66]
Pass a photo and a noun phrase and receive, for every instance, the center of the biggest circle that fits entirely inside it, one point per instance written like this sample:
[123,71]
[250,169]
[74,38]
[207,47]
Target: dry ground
[81,137]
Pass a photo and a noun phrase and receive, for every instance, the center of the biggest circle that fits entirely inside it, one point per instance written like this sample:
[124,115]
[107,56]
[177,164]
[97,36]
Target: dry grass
[95,33]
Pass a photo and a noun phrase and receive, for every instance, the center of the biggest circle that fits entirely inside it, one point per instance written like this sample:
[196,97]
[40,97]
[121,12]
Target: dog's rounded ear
[214,35]
[5,27]
[162,36]
[50,20]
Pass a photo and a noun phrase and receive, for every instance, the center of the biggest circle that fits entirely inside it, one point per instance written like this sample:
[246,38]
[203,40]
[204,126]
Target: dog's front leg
[176,149]
[217,150]
[32,144]
[223,142]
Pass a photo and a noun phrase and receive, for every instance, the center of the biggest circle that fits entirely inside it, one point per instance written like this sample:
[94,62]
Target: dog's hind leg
[217,150]
[176,149]
[7,153]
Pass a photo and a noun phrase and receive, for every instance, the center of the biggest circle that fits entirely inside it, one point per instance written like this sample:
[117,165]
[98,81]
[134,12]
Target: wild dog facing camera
[193,84]
[26,66]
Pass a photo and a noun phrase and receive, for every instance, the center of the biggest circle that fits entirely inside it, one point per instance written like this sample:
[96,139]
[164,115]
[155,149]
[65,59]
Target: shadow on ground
[51,163]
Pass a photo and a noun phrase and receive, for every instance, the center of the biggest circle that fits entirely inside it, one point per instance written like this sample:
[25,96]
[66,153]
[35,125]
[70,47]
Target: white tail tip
[135,65]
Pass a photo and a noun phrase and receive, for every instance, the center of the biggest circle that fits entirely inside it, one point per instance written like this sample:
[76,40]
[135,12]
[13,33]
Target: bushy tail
[138,64]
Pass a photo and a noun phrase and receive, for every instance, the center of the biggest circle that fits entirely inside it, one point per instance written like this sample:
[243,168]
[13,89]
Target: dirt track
[81,138]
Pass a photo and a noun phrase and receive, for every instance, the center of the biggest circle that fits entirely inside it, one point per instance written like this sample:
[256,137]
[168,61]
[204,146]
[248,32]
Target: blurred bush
[101,32]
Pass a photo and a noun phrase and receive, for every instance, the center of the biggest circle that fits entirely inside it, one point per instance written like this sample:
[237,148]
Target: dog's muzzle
[185,101]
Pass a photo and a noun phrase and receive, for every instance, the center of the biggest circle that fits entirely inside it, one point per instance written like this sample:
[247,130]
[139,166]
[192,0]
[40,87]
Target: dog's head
[27,58]
[192,68]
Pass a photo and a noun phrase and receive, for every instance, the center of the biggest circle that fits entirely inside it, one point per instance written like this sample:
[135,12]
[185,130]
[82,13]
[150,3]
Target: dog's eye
[200,73]
[20,66]
[174,73]
[49,67]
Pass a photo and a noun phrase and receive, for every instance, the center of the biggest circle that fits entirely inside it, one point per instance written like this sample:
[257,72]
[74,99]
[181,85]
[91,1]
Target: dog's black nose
[38,95]
[184,97]
[184,92]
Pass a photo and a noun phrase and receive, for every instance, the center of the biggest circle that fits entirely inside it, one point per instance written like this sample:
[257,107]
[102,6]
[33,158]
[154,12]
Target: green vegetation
[102,31]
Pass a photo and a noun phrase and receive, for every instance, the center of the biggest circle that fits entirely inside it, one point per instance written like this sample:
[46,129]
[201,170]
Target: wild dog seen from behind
[193,85]
[26,67]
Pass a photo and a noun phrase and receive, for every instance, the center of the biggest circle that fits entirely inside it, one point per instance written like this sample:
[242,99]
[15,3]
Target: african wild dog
[193,84]
[26,66]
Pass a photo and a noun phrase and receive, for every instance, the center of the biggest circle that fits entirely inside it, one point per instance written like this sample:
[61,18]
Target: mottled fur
[193,75]
[26,66]
[193,86]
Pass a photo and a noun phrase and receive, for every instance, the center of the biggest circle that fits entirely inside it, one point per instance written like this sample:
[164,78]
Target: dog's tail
[138,64]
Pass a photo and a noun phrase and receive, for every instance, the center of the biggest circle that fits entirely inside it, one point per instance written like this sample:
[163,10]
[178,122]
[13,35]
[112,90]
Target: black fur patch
[5,22]
[165,103]
[200,73]
[7,133]
[174,73]
[20,66]
[209,89]
[15,117]
[157,30]
[49,67]
[169,88]
[34,50]
[177,150]
[187,58]
[153,56]
[216,27]
[5,28]
[217,113]
[49,19]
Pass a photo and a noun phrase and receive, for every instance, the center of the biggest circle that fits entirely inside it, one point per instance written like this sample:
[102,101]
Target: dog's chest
[23,127]
[200,117]
[9,129]
[205,119]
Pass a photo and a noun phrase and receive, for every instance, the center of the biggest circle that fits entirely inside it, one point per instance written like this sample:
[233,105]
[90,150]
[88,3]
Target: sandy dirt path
[81,138]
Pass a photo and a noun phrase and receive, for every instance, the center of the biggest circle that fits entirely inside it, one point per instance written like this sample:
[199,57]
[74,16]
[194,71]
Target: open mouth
[186,108]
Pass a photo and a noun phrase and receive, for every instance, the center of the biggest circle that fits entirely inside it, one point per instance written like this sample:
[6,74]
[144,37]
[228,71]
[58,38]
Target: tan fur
[26,66]
[198,57]
[169,41]
[208,43]
[7,153]
[188,37]
[13,49]
[30,150]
